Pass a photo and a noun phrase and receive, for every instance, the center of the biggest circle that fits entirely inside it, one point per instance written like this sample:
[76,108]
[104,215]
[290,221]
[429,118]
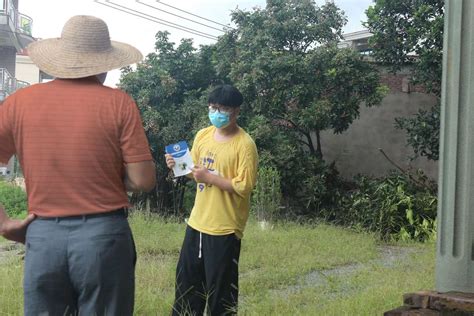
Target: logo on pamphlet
[182,158]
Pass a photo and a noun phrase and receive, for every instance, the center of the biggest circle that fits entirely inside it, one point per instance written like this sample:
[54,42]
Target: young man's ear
[237,112]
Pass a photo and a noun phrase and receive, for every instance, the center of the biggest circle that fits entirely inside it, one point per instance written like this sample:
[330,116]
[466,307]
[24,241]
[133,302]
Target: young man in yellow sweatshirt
[225,171]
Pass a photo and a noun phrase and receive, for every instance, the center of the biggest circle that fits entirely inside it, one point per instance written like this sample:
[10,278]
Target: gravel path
[9,249]
[389,256]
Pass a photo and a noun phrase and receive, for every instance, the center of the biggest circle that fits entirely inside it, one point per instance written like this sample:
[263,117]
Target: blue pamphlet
[182,158]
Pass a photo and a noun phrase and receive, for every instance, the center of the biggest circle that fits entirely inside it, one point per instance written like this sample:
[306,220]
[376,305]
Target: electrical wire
[172,24]
[158,21]
[190,13]
[179,16]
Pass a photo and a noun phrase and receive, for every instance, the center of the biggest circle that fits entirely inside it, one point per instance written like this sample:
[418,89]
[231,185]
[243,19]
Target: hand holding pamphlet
[182,158]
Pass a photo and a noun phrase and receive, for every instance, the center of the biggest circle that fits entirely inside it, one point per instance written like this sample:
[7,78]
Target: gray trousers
[79,266]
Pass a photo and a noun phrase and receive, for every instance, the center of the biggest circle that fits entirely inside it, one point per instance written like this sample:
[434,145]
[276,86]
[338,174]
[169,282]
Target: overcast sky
[49,17]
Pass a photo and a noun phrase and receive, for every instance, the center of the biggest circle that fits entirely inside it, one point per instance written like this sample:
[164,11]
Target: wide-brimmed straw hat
[84,49]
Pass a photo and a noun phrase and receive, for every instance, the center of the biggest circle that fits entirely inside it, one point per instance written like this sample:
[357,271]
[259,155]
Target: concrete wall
[356,150]
[26,70]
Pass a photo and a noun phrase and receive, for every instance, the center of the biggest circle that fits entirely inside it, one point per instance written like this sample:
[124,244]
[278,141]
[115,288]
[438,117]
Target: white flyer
[182,158]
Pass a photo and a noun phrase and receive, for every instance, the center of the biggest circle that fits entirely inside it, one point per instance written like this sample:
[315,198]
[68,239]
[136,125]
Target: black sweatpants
[208,270]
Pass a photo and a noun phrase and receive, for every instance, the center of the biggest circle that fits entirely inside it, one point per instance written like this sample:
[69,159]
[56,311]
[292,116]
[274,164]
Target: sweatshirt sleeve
[244,182]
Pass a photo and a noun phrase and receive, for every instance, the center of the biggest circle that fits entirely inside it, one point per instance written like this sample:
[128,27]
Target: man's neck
[228,131]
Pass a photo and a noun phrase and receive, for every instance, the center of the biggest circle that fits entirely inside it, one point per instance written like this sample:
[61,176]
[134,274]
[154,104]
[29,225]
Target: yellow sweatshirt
[217,212]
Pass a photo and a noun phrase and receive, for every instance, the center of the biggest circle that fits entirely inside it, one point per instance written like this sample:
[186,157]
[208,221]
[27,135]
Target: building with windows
[15,35]
[357,40]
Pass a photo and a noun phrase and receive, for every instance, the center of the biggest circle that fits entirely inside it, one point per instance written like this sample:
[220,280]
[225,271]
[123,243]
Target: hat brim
[52,57]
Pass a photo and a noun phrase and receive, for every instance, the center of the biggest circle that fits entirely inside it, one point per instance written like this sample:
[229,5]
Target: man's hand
[201,174]
[169,161]
[15,230]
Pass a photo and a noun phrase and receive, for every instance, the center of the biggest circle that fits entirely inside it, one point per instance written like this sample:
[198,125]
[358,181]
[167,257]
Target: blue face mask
[219,119]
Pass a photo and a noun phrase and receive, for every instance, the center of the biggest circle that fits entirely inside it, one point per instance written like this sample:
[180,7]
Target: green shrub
[267,194]
[394,207]
[13,200]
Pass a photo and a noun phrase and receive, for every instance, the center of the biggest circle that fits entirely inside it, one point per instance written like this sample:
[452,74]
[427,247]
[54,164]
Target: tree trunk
[310,144]
[319,152]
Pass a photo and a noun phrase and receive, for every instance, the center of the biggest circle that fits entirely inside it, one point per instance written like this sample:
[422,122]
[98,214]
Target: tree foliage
[168,88]
[296,83]
[13,199]
[411,32]
[285,60]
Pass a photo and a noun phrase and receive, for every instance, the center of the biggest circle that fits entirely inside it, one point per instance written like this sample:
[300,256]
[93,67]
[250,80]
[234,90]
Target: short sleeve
[133,142]
[7,143]
[246,178]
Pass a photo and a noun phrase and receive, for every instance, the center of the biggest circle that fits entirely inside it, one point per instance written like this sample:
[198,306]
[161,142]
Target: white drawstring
[200,245]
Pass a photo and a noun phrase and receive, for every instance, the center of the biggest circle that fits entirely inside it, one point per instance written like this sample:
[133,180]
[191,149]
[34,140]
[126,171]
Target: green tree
[411,32]
[297,83]
[287,64]
[169,88]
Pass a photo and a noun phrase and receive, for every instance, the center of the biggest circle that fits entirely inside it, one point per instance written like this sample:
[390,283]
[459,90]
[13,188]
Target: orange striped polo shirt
[72,138]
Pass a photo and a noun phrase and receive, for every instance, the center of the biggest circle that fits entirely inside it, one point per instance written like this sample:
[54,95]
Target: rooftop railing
[9,84]
[20,22]
[6,81]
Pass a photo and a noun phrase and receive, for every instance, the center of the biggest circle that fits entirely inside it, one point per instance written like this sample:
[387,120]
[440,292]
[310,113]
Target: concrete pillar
[455,249]
[8,58]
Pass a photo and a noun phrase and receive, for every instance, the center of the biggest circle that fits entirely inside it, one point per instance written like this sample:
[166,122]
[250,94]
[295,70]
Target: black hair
[226,95]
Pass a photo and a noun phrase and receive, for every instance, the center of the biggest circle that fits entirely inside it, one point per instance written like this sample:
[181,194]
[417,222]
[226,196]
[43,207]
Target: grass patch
[290,270]
[11,292]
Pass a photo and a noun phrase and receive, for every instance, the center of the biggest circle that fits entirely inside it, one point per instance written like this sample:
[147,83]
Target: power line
[156,20]
[179,16]
[195,15]
[182,27]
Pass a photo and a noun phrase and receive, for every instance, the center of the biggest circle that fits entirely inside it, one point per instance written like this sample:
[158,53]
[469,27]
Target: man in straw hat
[81,146]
